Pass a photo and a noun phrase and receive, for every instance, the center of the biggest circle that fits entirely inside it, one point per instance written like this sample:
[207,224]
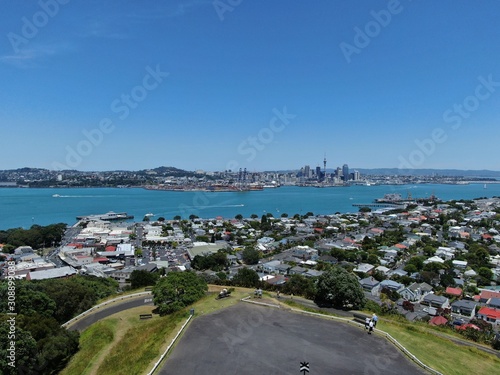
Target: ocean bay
[23,207]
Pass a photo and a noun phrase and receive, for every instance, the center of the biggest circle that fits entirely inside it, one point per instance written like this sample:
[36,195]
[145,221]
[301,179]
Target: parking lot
[248,339]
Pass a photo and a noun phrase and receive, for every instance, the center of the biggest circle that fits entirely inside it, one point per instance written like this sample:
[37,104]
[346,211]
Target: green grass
[141,345]
[92,341]
[440,353]
[122,341]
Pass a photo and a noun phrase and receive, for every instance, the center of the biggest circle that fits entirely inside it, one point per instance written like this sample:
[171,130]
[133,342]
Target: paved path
[247,339]
[106,311]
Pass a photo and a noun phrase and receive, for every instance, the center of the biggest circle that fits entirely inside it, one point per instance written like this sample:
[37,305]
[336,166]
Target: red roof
[487,294]
[400,246]
[438,321]
[468,325]
[490,313]
[454,291]
[486,236]
[110,248]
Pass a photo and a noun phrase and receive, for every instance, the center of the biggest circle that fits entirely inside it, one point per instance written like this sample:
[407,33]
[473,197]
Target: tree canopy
[339,288]
[178,290]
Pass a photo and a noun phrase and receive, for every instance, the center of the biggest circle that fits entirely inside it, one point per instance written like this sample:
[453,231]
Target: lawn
[137,344]
[441,353]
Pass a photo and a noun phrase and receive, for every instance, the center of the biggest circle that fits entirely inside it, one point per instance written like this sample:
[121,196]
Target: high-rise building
[345,172]
[307,171]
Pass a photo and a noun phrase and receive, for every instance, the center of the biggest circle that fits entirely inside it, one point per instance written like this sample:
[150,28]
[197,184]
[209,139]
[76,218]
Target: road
[106,311]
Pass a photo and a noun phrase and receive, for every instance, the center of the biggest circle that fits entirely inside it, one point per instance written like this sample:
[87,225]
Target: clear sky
[261,84]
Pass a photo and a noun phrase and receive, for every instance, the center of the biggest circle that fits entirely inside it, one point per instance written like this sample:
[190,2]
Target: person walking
[375,320]
[367,323]
[370,327]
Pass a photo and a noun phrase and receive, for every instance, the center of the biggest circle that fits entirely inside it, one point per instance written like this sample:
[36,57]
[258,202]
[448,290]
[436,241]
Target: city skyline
[216,85]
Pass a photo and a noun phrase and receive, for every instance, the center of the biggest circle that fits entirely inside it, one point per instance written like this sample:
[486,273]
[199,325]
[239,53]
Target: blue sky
[259,84]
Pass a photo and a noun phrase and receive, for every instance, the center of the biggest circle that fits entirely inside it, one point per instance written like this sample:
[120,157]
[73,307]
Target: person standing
[370,327]
[367,323]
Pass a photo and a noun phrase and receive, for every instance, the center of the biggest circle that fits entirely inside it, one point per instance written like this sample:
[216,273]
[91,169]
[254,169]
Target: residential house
[364,268]
[493,303]
[435,301]
[489,315]
[391,285]
[453,292]
[487,294]
[297,270]
[415,292]
[368,283]
[463,309]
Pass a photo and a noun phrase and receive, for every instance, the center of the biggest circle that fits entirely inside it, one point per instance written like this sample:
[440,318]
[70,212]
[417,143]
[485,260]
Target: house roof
[438,321]
[453,291]
[490,313]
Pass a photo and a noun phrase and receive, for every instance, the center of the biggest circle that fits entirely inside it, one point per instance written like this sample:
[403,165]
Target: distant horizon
[329,169]
[119,85]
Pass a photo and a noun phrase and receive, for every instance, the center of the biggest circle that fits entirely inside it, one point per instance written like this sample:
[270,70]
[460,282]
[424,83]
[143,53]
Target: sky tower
[324,168]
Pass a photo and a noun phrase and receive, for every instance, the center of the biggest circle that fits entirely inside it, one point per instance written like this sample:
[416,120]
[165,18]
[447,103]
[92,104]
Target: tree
[486,275]
[178,290]
[246,277]
[284,214]
[239,217]
[254,216]
[161,219]
[250,255]
[25,351]
[300,285]
[141,278]
[145,218]
[365,209]
[177,217]
[339,288]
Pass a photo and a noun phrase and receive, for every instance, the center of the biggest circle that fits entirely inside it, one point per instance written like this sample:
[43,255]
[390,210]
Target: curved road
[106,311]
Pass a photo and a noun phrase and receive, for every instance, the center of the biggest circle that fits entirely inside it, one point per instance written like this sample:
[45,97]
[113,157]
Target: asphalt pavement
[106,311]
[248,339]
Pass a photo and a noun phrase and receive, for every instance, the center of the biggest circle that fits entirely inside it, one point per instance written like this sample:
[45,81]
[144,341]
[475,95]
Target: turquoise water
[24,207]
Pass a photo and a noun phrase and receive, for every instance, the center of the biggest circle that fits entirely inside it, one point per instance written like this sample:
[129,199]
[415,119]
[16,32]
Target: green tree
[301,286]
[340,288]
[177,217]
[246,277]
[25,351]
[486,275]
[239,217]
[250,255]
[141,278]
[178,290]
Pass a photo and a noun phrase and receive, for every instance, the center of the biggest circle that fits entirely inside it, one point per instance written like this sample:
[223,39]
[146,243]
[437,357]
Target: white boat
[484,186]
[149,214]
[55,195]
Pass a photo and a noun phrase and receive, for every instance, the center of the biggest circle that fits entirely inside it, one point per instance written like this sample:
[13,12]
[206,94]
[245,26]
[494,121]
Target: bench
[145,316]
[361,318]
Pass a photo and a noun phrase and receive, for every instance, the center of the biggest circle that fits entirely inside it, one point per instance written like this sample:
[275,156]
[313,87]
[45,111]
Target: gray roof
[464,304]
[53,273]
